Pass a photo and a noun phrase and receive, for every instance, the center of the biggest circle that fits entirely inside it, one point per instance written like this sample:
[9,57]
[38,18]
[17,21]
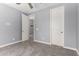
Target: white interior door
[25,27]
[58,26]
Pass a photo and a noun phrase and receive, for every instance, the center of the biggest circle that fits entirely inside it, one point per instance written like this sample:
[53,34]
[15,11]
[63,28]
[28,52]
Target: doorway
[57,26]
[25,27]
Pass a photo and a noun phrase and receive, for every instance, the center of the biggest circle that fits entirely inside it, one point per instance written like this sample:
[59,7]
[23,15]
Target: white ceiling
[39,6]
[24,7]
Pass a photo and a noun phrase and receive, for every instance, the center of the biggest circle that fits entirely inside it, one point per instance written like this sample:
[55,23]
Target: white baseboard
[72,49]
[25,40]
[77,52]
[42,42]
[9,44]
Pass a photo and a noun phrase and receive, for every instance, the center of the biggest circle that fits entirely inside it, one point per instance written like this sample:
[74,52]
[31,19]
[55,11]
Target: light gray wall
[78,26]
[70,26]
[42,21]
[10,25]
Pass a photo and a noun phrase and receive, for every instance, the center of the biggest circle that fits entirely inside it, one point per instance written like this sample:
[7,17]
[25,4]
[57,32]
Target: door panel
[25,27]
[58,26]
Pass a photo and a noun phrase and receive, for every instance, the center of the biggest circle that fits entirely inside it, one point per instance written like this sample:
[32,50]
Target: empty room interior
[33,29]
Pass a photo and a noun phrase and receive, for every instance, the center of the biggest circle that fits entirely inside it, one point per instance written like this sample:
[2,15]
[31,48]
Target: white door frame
[51,26]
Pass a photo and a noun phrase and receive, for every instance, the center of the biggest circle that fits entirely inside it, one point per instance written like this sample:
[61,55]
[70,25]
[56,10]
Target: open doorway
[57,26]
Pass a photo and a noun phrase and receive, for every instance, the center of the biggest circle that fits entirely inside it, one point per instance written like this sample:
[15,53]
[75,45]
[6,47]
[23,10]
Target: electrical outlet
[37,29]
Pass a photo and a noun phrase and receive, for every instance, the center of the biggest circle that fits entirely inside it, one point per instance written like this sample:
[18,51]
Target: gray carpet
[29,48]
